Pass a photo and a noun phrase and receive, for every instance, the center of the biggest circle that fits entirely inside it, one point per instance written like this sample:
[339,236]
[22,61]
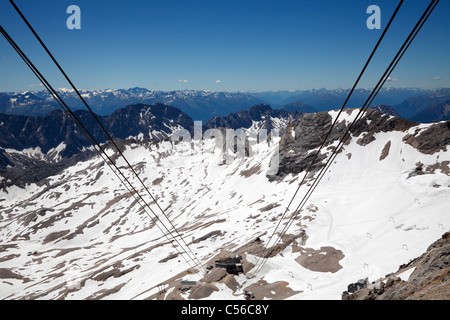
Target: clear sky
[229,45]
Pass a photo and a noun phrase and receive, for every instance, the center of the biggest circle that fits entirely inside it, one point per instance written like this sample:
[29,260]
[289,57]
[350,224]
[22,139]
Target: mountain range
[199,104]
[71,230]
[75,232]
[48,143]
[203,105]
[48,132]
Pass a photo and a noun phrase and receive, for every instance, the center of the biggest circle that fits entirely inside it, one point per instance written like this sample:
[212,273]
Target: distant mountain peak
[386,109]
[258,110]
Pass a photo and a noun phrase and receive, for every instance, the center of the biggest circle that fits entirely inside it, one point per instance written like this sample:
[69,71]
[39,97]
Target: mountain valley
[77,233]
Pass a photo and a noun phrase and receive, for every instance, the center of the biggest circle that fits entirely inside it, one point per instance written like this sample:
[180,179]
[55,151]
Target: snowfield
[83,235]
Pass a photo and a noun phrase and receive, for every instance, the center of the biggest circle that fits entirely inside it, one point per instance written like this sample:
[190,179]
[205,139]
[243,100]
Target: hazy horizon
[240,91]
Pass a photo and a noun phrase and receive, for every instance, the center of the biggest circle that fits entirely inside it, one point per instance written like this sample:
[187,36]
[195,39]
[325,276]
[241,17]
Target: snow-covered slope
[82,235]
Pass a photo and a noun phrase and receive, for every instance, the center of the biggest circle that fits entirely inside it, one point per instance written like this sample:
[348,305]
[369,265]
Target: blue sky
[230,45]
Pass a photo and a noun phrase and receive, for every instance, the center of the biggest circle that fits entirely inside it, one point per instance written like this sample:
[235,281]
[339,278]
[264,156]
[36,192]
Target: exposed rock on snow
[429,280]
[298,144]
[278,290]
[432,139]
[326,259]
[302,138]
[385,151]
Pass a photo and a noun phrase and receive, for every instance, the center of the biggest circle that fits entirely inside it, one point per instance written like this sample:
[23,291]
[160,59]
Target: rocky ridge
[429,280]
[302,138]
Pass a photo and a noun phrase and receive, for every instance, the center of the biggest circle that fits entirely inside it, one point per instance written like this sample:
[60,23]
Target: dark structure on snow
[232,265]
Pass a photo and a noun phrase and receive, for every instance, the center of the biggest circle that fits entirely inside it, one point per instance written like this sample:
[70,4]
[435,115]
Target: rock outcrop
[430,279]
[299,144]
